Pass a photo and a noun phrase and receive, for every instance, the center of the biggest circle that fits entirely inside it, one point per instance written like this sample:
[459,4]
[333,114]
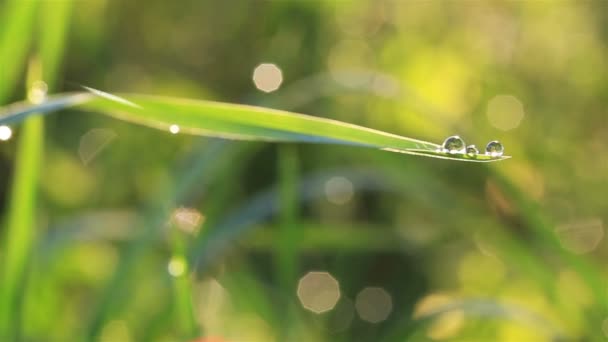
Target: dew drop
[494,149]
[472,151]
[454,145]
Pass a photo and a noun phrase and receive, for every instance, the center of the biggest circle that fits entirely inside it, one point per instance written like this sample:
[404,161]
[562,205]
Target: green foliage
[113,231]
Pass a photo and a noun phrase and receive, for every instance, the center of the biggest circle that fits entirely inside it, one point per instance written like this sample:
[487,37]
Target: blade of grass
[21,219]
[55,18]
[17,24]
[179,269]
[286,246]
[234,121]
[482,308]
[21,232]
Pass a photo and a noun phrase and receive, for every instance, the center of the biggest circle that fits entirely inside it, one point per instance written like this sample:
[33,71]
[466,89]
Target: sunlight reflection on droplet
[318,291]
[267,77]
[37,92]
[505,112]
[581,237]
[188,220]
[5,133]
[93,142]
[115,331]
[339,190]
[177,266]
[374,304]
[174,129]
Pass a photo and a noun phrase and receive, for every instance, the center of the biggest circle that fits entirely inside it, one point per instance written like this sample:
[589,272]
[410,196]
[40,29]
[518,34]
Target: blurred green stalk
[17,22]
[179,269]
[286,244]
[21,219]
[20,229]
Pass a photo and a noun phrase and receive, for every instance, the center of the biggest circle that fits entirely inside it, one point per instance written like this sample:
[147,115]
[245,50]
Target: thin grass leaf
[480,308]
[242,122]
[19,111]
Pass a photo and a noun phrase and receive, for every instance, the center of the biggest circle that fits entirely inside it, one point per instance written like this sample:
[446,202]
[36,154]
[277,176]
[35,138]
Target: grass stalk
[20,234]
[180,270]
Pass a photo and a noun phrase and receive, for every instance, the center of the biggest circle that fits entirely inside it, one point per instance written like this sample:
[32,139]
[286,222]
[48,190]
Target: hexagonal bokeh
[318,291]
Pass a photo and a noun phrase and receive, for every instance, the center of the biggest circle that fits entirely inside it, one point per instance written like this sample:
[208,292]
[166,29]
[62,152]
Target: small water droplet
[454,145]
[495,149]
[37,92]
[472,150]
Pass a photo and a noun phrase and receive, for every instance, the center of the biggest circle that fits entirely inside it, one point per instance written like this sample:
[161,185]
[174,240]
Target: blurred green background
[143,235]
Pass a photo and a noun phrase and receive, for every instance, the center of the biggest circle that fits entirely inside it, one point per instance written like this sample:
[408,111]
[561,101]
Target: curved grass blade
[481,308]
[235,121]
[18,111]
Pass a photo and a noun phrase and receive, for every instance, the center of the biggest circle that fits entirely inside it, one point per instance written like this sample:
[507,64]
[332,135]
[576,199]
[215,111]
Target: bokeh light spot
[5,133]
[93,142]
[187,220]
[374,304]
[582,236]
[174,129]
[339,190]
[318,291]
[267,77]
[177,266]
[505,112]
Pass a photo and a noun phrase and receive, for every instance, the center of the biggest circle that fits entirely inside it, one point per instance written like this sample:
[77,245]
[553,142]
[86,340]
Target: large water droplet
[472,151]
[494,149]
[454,145]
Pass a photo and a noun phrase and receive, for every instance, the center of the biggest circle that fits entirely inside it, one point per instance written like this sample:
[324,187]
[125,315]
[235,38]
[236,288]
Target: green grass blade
[480,308]
[235,121]
[20,232]
[19,111]
[288,191]
[17,18]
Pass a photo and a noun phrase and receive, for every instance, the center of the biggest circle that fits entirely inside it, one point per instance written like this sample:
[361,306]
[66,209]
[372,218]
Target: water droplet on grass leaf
[472,151]
[495,149]
[454,145]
